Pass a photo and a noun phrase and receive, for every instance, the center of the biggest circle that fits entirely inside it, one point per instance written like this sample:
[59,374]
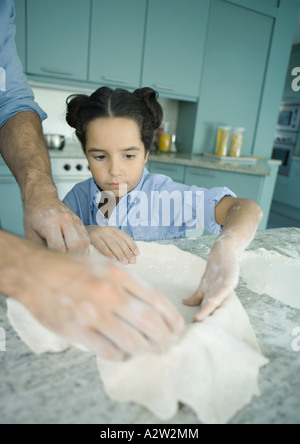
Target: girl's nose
[115,168]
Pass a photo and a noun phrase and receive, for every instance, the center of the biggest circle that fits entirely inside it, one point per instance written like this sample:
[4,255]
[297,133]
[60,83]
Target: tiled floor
[279,221]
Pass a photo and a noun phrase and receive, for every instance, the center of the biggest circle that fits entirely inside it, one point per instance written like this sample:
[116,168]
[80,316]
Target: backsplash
[53,102]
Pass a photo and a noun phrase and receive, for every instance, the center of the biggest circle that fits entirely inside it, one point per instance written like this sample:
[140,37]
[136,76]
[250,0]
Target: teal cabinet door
[11,207]
[174,47]
[117,37]
[57,38]
[175,172]
[292,83]
[20,22]
[236,58]
[243,185]
[293,189]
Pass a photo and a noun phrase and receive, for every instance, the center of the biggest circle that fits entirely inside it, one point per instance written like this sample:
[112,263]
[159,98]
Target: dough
[271,273]
[213,367]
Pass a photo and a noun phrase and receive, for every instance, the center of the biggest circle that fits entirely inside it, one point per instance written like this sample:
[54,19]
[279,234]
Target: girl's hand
[113,243]
[218,282]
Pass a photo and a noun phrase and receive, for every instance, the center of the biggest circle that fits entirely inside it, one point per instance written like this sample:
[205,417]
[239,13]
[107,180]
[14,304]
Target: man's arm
[22,146]
[46,219]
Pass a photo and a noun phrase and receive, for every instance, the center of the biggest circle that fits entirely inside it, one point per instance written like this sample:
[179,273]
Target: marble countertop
[260,168]
[66,388]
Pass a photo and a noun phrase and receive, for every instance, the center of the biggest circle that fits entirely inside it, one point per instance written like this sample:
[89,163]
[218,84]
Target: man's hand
[90,301]
[48,221]
[113,243]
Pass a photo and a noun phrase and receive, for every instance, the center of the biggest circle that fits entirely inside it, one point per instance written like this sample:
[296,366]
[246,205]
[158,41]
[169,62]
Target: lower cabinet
[246,186]
[11,207]
[243,185]
[176,172]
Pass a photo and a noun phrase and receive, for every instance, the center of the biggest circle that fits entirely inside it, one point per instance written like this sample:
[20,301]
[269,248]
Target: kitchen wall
[53,101]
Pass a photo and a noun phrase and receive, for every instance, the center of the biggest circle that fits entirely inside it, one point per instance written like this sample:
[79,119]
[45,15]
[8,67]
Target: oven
[67,172]
[286,136]
[289,117]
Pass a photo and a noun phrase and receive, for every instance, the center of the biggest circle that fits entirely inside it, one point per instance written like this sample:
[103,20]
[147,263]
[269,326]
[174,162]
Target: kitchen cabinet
[237,50]
[289,94]
[117,37]
[174,47]
[176,172]
[57,38]
[11,207]
[293,189]
[287,188]
[243,185]
[20,23]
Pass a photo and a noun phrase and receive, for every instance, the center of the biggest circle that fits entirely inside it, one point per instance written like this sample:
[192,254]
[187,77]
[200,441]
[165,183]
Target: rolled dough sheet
[212,368]
[271,273]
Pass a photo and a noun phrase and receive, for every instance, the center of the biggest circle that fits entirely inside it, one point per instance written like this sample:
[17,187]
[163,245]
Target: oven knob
[79,167]
[67,167]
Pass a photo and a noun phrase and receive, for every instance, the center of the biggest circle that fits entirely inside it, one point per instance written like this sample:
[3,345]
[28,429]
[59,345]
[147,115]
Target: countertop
[66,388]
[260,168]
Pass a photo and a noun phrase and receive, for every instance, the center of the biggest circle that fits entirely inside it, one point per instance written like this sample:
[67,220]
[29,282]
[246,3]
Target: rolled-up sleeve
[15,94]
[211,199]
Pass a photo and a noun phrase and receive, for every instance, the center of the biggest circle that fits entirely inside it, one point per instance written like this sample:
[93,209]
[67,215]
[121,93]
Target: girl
[122,202]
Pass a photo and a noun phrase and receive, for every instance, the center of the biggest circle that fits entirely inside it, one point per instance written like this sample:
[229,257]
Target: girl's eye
[129,156]
[101,157]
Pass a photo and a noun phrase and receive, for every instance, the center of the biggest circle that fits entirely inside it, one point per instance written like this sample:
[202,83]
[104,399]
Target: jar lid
[239,129]
[225,128]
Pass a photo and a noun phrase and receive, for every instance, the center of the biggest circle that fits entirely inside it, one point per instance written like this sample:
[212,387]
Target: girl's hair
[141,106]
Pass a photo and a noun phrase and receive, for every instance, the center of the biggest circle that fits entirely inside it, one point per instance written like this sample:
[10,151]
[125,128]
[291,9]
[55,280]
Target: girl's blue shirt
[157,208]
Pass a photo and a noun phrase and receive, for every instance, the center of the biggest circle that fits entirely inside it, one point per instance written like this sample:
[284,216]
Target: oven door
[285,154]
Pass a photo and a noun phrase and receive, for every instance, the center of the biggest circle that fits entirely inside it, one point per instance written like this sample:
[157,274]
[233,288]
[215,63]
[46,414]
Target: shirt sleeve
[196,208]
[211,199]
[15,94]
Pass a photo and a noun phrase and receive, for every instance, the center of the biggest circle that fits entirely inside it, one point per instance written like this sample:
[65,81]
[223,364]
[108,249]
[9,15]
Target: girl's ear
[146,157]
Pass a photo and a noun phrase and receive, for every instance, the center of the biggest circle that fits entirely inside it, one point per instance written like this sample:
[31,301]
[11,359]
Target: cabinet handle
[168,168]
[167,88]
[57,71]
[115,80]
[201,173]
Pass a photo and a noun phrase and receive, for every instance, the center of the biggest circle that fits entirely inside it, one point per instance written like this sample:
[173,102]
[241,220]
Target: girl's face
[115,153]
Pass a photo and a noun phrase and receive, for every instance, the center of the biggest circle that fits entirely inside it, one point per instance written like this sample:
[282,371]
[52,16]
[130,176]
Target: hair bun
[75,102]
[149,96]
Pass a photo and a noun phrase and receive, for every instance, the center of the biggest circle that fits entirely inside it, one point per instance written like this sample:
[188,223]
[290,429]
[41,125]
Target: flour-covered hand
[113,243]
[218,282]
[48,221]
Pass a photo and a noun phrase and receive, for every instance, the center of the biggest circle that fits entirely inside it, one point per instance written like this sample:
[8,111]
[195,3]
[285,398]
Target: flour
[268,272]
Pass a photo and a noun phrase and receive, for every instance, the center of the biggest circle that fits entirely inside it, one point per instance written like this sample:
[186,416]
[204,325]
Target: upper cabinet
[292,84]
[174,46]
[57,38]
[117,36]
[237,49]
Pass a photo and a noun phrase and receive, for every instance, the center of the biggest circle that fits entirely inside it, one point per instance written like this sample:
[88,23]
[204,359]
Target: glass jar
[237,142]
[222,140]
